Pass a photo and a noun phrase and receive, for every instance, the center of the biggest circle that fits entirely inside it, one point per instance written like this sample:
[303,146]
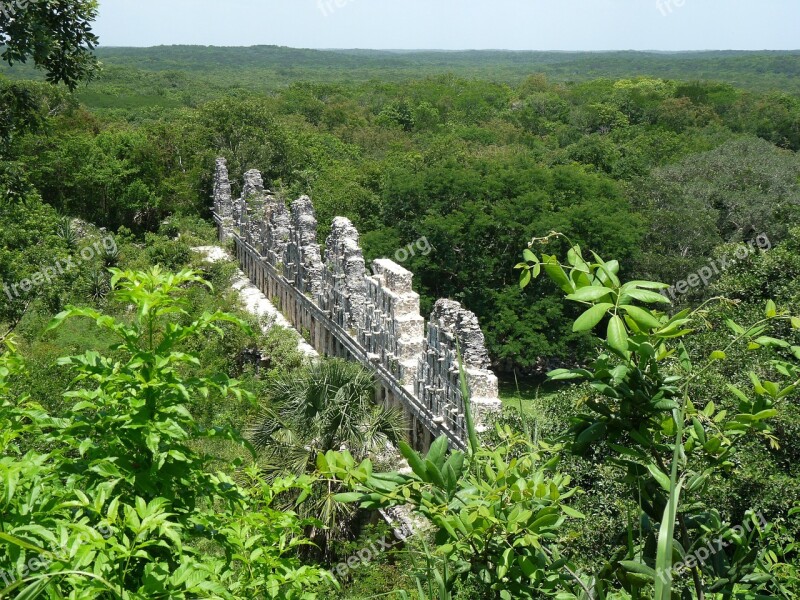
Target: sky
[456,24]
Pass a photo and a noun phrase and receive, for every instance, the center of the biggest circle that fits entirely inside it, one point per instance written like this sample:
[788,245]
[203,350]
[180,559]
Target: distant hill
[271,67]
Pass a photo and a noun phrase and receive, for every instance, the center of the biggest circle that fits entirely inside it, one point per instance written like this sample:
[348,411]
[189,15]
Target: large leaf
[643,318]
[557,274]
[617,335]
[414,460]
[666,541]
[590,293]
[437,452]
[589,319]
[647,297]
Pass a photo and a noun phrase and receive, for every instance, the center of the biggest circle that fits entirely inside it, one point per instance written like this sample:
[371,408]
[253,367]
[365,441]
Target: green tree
[56,34]
[29,250]
[734,193]
[327,405]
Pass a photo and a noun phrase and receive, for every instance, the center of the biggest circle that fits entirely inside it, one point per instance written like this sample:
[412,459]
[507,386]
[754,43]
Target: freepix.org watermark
[41,562]
[421,246]
[365,556]
[666,7]
[45,276]
[716,267]
[700,556]
[328,7]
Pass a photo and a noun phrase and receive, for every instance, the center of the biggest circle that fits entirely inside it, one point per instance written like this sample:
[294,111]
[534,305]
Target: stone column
[343,293]
[223,200]
[452,329]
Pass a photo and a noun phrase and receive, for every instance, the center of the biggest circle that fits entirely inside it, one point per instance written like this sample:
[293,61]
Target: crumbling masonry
[347,311]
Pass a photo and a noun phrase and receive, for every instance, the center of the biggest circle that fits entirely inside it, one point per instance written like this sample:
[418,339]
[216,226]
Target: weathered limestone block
[239,213]
[456,320]
[268,205]
[251,224]
[302,258]
[253,184]
[304,221]
[253,201]
[394,329]
[279,232]
[223,198]
[344,286]
[452,328]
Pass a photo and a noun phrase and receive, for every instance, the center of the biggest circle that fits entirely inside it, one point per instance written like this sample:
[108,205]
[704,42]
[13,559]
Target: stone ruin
[348,310]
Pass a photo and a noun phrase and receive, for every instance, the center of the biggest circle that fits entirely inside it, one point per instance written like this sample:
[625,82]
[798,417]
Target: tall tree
[56,34]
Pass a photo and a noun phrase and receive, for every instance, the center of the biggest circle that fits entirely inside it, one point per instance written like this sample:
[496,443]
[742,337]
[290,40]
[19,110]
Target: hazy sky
[456,24]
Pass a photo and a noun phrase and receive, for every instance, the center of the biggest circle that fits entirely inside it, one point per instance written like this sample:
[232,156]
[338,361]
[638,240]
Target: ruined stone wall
[343,292]
[451,330]
[394,330]
[348,311]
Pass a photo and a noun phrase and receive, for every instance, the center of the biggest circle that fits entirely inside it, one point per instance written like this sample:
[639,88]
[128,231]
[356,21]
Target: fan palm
[327,405]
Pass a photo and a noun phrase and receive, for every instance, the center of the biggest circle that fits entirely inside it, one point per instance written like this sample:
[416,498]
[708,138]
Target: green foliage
[652,165]
[475,167]
[122,505]
[26,247]
[741,190]
[56,35]
[642,408]
[321,407]
[497,514]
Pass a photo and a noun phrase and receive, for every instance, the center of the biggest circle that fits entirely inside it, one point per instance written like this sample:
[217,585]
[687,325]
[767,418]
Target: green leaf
[647,296]
[734,327]
[770,342]
[348,497]
[12,539]
[661,477]
[636,567]
[571,512]
[666,542]
[437,452]
[557,274]
[684,359]
[106,469]
[456,463]
[435,475]
[718,355]
[771,310]
[414,461]
[648,285]
[591,434]
[698,430]
[34,590]
[589,319]
[590,293]
[643,317]
[524,278]
[617,335]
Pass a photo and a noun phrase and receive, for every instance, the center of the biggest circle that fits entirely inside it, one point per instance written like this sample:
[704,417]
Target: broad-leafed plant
[497,513]
[115,500]
[667,447]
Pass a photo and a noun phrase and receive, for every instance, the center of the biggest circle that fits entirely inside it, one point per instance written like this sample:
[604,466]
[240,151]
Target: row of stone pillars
[317,334]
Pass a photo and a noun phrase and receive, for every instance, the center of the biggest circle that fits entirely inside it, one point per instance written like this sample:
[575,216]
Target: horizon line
[343,49]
